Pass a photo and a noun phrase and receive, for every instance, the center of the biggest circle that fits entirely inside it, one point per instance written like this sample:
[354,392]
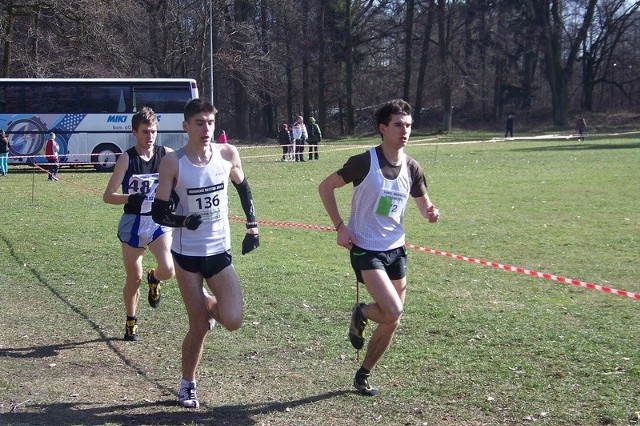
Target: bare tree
[446,73]
[430,9]
[339,59]
[614,20]
[560,52]
[408,47]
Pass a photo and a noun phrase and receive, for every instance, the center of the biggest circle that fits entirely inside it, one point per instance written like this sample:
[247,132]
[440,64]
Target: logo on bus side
[117,119]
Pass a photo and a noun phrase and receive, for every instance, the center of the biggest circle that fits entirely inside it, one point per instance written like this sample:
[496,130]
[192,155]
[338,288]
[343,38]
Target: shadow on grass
[45,351]
[580,147]
[50,350]
[29,169]
[90,414]
[157,412]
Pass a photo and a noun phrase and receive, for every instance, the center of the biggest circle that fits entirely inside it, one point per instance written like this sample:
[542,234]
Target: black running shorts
[393,261]
[208,266]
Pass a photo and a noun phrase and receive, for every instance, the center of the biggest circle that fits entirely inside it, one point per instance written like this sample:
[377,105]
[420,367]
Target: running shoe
[187,397]
[155,297]
[356,328]
[361,383]
[131,330]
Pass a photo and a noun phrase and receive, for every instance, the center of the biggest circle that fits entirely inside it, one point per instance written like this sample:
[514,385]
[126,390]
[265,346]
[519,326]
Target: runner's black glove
[250,242]
[136,200]
[193,221]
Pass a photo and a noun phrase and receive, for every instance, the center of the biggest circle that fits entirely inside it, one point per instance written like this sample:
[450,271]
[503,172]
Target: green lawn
[477,345]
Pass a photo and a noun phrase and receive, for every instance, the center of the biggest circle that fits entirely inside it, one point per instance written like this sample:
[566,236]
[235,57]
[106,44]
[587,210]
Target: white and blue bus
[91,117]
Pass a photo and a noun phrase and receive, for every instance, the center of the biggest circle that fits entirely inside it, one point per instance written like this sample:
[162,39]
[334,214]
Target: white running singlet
[377,208]
[203,189]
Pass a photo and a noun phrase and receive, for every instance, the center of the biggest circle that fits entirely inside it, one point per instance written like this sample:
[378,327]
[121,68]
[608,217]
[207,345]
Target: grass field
[477,345]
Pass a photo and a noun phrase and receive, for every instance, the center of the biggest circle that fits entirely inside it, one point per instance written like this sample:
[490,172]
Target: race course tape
[509,268]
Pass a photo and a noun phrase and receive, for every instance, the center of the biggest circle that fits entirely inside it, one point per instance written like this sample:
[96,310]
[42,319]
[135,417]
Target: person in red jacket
[51,155]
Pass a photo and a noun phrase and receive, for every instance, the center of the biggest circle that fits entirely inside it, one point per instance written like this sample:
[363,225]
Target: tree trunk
[322,57]
[269,127]
[408,46]
[242,105]
[306,104]
[8,36]
[498,98]
[349,77]
[445,76]
[424,56]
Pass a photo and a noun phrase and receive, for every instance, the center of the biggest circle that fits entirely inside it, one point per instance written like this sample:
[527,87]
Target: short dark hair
[395,106]
[196,106]
[144,116]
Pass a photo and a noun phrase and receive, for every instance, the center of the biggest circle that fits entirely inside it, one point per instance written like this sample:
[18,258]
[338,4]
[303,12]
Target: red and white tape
[509,268]
[543,275]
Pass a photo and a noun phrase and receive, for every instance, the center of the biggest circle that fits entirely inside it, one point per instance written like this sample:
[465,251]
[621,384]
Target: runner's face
[396,133]
[200,128]
[146,135]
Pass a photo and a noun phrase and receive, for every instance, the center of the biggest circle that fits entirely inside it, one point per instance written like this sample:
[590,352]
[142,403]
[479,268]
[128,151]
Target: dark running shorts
[393,261]
[208,266]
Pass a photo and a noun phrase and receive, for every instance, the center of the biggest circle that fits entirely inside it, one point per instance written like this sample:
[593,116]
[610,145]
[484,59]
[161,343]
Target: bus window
[13,100]
[168,100]
[103,99]
[68,100]
[48,97]
[122,106]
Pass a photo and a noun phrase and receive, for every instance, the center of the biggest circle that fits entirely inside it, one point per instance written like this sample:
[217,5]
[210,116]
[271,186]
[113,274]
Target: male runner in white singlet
[199,174]
[136,173]
[383,179]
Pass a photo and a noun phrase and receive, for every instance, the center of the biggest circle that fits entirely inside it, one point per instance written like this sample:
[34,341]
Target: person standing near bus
[136,173]
[4,153]
[51,155]
[199,173]
[383,178]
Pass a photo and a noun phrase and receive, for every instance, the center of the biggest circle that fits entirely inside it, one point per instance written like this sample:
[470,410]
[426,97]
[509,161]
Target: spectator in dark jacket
[284,139]
[509,125]
[581,127]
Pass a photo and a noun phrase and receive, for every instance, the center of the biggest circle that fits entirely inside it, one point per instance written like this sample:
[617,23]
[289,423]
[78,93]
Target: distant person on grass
[284,139]
[511,118]
[136,173]
[315,137]
[581,127]
[199,173]
[4,153]
[51,150]
[383,178]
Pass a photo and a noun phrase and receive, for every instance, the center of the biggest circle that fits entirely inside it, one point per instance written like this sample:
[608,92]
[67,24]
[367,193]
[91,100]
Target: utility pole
[211,51]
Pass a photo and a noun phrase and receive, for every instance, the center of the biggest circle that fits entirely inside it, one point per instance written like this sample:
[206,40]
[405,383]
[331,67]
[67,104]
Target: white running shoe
[187,396]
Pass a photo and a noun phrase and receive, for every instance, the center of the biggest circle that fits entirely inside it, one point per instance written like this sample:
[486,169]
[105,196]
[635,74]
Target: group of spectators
[292,139]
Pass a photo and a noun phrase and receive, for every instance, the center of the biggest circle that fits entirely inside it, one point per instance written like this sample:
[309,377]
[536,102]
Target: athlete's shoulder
[228,151]
[412,162]
[131,152]
[123,158]
[414,167]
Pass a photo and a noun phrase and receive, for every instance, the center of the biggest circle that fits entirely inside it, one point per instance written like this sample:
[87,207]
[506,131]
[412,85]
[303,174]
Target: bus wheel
[104,156]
